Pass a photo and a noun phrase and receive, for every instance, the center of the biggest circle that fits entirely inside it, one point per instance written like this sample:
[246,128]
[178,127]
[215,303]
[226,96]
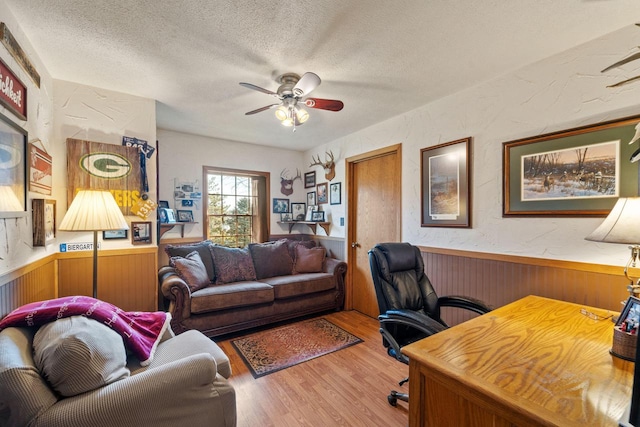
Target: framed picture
[309,215]
[310,179]
[577,172]
[630,315]
[317,216]
[298,210]
[311,198]
[115,234]
[335,193]
[166,215]
[40,169]
[286,217]
[44,221]
[280,205]
[163,204]
[323,193]
[141,232]
[445,175]
[187,203]
[184,216]
[13,188]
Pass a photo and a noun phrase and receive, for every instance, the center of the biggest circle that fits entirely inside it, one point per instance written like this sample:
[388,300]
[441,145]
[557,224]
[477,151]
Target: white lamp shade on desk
[93,210]
[622,225]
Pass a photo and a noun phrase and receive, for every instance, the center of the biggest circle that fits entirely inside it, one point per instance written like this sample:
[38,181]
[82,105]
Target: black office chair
[409,306]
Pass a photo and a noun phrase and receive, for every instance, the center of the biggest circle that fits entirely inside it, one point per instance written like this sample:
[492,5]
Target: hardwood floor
[346,388]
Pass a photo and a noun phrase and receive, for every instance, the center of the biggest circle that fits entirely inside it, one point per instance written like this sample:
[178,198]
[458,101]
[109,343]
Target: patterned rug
[275,349]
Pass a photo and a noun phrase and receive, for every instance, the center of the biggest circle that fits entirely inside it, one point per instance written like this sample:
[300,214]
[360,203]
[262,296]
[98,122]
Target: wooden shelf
[166,226]
[311,224]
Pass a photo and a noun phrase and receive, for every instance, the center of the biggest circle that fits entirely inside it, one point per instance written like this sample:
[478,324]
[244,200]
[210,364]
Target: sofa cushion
[201,247]
[232,295]
[300,284]
[309,260]
[192,270]
[76,354]
[271,259]
[24,394]
[232,264]
[291,244]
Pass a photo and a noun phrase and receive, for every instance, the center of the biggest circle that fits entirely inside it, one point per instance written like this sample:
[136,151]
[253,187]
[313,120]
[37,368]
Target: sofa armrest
[339,270]
[187,391]
[177,292]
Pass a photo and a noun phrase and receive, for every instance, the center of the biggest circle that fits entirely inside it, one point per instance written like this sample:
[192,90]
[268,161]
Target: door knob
[355,244]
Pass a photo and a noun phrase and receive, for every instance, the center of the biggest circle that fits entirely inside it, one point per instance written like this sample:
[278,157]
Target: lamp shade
[8,200]
[93,210]
[622,225]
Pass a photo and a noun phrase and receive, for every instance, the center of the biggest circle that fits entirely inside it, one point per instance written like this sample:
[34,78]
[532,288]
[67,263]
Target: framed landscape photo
[577,172]
[446,184]
[185,216]
[310,179]
[141,233]
[114,234]
[297,211]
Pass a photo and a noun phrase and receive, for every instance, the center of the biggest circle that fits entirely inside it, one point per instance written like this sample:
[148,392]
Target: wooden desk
[534,362]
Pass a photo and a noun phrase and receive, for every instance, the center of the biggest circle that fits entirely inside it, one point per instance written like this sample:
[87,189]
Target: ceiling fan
[291,93]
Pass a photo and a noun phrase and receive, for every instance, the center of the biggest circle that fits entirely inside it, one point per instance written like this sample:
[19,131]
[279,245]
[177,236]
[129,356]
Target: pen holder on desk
[624,344]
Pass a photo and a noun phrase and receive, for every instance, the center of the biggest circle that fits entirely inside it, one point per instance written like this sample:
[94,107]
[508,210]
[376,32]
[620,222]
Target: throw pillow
[271,259]
[201,247]
[293,243]
[309,260]
[232,264]
[191,270]
[76,354]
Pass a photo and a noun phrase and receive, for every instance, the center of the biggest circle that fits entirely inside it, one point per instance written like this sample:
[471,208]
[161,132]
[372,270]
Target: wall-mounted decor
[310,179]
[114,234]
[18,54]
[40,169]
[44,221]
[13,189]
[576,172]
[335,193]
[328,165]
[298,211]
[184,216]
[311,198]
[104,167]
[446,184]
[140,144]
[14,93]
[280,205]
[286,181]
[141,232]
[322,193]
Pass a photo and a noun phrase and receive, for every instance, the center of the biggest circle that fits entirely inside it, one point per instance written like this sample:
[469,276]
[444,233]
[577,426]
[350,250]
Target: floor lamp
[94,210]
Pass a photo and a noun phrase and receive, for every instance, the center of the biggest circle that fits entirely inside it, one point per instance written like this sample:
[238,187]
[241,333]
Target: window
[236,211]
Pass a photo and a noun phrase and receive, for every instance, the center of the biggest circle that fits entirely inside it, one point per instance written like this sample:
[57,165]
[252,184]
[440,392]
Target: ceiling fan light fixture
[302,115]
[282,113]
[288,122]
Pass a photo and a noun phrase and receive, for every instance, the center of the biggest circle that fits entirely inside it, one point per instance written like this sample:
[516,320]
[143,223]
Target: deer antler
[316,162]
[298,176]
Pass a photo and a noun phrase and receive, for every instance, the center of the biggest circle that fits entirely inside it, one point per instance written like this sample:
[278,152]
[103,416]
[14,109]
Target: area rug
[275,349]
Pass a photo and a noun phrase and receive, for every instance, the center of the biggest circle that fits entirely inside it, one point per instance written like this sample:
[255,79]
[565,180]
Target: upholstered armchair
[408,304]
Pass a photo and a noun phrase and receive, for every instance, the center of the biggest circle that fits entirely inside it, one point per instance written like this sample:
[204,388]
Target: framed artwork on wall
[446,184]
[141,233]
[114,234]
[13,188]
[322,193]
[310,179]
[335,193]
[44,221]
[311,198]
[577,172]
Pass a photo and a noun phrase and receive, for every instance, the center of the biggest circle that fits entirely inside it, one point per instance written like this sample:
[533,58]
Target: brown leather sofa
[283,280]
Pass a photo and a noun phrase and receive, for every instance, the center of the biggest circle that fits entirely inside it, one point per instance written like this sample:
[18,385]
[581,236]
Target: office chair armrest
[409,318]
[466,303]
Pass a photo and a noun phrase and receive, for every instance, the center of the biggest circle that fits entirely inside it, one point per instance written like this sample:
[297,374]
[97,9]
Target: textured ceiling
[381,58]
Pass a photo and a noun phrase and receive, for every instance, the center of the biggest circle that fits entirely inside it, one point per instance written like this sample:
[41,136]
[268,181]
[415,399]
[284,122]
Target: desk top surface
[538,354]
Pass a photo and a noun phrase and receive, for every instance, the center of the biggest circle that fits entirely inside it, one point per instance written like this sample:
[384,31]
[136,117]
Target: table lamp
[94,210]
[622,225]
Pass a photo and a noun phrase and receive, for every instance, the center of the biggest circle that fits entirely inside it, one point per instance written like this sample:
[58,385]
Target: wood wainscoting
[501,279]
[127,278]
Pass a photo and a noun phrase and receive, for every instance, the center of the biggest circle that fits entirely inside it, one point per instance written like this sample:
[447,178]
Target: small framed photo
[309,215]
[317,216]
[310,179]
[141,233]
[335,193]
[298,210]
[286,217]
[44,221]
[311,198]
[185,216]
[280,205]
[166,215]
[163,204]
[114,234]
[323,194]
[630,316]
[187,203]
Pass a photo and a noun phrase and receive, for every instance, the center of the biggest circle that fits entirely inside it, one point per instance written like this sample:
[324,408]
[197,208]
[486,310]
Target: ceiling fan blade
[259,110]
[258,88]
[307,83]
[324,104]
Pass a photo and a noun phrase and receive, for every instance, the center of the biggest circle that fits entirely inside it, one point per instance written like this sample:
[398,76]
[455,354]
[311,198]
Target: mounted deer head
[329,166]
[286,183]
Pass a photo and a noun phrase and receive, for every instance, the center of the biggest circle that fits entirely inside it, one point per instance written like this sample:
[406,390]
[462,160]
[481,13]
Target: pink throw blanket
[141,331]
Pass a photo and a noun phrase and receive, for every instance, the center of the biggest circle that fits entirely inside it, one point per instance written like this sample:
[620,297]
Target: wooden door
[374,216]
